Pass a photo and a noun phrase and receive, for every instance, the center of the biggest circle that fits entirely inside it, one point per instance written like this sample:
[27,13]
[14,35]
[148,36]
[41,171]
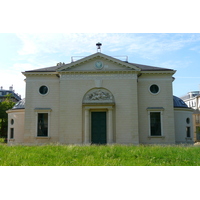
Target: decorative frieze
[98,96]
[95,76]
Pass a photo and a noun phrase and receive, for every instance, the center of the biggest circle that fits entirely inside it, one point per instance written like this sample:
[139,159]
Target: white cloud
[146,45]
[175,64]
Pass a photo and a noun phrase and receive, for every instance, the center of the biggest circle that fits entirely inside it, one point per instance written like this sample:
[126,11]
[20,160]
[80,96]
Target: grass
[113,155]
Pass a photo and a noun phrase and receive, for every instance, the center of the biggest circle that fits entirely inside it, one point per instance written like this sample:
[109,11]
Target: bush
[2,140]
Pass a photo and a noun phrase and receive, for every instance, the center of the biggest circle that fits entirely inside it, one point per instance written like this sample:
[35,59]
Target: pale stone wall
[164,99]
[125,121]
[181,115]
[35,100]
[126,109]
[18,126]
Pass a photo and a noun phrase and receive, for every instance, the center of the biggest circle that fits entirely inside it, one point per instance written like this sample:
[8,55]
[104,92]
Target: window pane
[188,131]
[11,133]
[42,124]
[154,89]
[155,121]
[43,89]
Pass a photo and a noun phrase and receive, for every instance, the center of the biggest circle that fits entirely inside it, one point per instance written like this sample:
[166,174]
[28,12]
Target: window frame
[153,92]
[44,85]
[43,111]
[157,110]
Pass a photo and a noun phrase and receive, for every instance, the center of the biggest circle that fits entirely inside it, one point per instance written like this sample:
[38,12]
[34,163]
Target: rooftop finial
[98,46]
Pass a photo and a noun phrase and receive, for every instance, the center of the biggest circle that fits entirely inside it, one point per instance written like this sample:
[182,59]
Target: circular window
[12,121]
[188,120]
[154,89]
[43,89]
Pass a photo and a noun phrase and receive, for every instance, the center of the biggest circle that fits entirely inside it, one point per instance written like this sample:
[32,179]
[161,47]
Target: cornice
[40,73]
[183,109]
[99,72]
[159,72]
[16,110]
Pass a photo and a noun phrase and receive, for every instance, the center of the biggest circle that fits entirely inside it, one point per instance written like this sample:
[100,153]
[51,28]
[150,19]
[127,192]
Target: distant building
[192,99]
[15,97]
[100,100]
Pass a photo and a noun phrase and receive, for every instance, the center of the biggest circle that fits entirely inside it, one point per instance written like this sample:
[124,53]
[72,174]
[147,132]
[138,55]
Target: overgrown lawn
[110,155]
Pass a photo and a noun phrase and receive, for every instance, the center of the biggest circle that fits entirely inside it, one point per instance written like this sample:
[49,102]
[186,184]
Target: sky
[26,51]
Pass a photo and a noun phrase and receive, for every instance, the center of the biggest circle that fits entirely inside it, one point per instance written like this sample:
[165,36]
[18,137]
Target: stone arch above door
[98,96]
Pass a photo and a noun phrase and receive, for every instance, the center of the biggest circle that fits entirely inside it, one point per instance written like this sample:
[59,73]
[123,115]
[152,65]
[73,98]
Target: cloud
[196,48]
[145,45]
[175,64]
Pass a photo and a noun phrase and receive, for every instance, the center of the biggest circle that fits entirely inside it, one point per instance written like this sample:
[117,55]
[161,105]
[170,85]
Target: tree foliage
[4,106]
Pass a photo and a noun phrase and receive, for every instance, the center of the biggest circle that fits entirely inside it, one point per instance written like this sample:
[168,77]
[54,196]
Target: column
[110,126]
[87,130]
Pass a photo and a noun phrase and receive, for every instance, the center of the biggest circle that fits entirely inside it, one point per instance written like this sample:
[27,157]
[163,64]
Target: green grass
[114,155]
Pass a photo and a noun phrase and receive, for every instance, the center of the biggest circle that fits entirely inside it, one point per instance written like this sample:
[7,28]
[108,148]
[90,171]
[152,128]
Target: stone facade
[137,101]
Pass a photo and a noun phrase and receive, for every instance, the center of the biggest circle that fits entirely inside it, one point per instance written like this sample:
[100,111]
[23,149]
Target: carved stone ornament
[98,96]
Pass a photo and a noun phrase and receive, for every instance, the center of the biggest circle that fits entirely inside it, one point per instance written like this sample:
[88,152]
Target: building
[100,100]
[192,99]
[14,96]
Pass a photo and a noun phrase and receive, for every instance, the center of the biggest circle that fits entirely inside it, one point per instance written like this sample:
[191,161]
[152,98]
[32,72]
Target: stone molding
[94,76]
[100,96]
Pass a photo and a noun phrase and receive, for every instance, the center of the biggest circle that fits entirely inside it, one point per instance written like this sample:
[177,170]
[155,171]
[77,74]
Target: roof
[140,66]
[179,103]
[47,69]
[3,93]
[19,105]
[191,95]
[150,68]
[135,66]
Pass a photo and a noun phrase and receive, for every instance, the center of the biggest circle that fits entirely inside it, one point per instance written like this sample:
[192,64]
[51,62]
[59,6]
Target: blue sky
[25,51]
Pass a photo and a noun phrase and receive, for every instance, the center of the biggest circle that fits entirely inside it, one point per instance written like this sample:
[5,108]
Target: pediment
[98,62]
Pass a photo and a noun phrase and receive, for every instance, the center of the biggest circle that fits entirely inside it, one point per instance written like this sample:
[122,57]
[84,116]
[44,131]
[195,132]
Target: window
[155,124]
[43,90]
[188,131]
[154,89]
[12,121]
[42,125]
[188,120]
[11,133]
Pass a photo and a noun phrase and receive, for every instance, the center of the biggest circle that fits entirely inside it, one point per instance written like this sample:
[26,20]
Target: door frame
[87,110]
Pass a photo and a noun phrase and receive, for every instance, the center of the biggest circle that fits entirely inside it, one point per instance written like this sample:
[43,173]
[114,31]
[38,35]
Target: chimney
[11,88]
[1,87]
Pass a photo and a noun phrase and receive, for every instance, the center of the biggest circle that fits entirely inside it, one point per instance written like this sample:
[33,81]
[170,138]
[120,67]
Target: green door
[98,130]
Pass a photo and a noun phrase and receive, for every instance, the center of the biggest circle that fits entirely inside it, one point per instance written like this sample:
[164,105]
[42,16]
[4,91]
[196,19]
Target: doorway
[98,127]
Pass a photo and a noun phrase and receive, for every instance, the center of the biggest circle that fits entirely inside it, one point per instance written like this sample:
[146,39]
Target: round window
[154,89]
[43,89]
[188,120]
[12,121]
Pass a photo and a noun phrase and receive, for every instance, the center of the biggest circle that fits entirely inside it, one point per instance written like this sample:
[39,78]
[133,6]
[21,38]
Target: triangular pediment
[98,62]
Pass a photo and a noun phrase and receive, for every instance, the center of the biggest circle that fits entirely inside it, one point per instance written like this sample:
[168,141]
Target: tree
[4,106]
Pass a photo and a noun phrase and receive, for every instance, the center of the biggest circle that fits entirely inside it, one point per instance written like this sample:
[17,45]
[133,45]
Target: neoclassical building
[100,100]
[192,99]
